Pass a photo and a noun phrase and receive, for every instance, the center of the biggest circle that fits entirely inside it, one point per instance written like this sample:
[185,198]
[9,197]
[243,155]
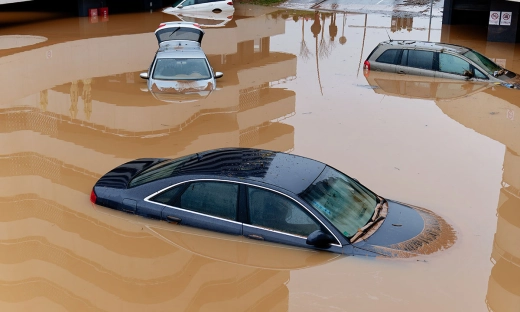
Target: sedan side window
[420,59]
[218,199]
[273,211]
[388,57]
[188,3]
[452,64]
[169,196]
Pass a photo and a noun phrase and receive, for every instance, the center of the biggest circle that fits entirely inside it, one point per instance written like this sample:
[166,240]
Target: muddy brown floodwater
[72,107]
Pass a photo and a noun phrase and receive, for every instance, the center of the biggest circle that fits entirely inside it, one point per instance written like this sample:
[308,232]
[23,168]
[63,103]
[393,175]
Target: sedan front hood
[409,231]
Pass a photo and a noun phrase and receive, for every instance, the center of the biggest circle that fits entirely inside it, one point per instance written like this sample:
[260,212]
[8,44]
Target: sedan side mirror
[179,7]
[144,75]
[319,239]
[218,75]
[468,74]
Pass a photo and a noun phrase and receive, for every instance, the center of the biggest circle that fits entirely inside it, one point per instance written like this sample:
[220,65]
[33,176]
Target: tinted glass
[181,69]
[343,201]
[453,65]
[178,33]
[159,171]
[404,57]
[217,199]
[480,75]
[420,59]
[486,64]
[188,3]
[167,197]
[388,56]
[274,211]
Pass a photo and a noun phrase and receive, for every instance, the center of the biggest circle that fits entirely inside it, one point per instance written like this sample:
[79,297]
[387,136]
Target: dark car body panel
[401,224]
[120,176]
[285,174]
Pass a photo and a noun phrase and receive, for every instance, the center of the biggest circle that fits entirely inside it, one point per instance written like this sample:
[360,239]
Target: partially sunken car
[180,66]
[181,6]
[272,196]
[439,60]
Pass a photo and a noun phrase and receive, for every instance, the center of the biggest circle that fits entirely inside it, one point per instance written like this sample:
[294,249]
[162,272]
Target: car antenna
[388,35]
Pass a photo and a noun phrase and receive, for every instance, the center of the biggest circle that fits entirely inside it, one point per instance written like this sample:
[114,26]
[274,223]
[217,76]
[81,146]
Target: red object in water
[93,196]
[92,12]
[366,65]
[103,12]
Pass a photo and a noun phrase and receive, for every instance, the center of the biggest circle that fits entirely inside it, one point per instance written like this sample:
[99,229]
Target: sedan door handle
[254,236]
[173,219]
[401,72]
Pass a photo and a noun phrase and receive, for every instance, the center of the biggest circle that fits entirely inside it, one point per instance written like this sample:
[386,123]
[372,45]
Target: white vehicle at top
[206,19]
[180,6]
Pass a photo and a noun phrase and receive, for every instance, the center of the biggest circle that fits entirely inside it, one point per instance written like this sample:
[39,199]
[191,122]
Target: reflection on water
[489,110]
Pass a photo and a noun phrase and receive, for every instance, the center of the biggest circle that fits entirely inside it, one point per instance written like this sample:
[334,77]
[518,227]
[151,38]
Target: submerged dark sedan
[271,196]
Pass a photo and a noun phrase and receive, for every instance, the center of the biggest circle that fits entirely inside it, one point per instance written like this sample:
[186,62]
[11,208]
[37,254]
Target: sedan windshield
[485,63]
[181,69]
[344,202]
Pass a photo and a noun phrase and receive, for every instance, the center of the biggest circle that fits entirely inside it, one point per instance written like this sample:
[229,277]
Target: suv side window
[419,59]
[388,57]
[480,75]
[452,64]
[274,211]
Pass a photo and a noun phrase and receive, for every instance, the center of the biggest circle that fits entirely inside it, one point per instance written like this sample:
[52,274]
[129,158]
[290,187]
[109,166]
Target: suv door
[211,205]
[276,218]
[418,62]
[454,67]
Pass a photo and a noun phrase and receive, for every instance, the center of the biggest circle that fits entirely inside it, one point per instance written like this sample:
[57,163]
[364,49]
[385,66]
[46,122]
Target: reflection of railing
[46,123]
[281,81]
[510,189]
[504,255]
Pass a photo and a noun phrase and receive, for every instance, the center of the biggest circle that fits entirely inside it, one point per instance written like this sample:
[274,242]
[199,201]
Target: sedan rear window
[181,69]
[388,57]
[343,201]
[159,171]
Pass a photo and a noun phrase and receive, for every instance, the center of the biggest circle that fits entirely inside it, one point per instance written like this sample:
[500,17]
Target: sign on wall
[494,18]
[505,18]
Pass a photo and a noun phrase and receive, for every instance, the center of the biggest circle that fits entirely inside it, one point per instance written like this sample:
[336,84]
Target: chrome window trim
[283,233]
[147,199]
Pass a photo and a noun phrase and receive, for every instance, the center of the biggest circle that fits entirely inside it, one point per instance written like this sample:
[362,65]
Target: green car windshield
[342,200]
[482,61]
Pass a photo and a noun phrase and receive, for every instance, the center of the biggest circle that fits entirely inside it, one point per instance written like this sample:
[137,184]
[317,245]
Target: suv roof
[429,45]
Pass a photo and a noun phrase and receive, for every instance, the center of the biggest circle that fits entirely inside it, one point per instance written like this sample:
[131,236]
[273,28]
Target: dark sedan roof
[291,172]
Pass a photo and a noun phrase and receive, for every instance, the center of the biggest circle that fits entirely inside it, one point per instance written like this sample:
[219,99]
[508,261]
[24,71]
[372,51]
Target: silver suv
[437,60]
[180,67]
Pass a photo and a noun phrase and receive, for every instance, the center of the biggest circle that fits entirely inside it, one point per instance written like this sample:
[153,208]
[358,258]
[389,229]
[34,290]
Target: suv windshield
[181,69]
[344,202]
[485,63]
